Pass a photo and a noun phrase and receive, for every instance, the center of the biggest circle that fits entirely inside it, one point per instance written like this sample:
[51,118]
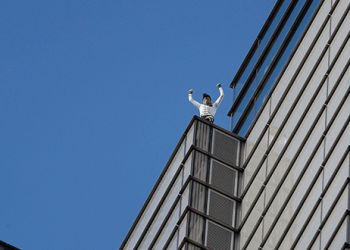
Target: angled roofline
[194,118]
[8,245]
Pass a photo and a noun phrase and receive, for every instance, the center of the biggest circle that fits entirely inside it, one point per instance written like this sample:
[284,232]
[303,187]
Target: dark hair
[206,95]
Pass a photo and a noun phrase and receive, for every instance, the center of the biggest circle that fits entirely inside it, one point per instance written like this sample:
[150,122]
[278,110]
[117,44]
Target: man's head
[206,99]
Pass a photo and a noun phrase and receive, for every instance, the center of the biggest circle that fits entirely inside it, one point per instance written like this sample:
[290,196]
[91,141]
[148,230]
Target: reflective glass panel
[285,56]
[261,46]
[244,103]
[281,37]
[278,68]
[244,77]
[273,25]
[247,123]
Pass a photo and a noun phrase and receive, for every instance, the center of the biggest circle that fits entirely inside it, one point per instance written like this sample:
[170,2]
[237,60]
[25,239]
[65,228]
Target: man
[207,110]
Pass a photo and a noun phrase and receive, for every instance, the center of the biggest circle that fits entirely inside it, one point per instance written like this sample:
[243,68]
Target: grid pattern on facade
[221,208]
[218,237]
[315,125]
[289,30]
[225,147]
[223,177]
[296,156]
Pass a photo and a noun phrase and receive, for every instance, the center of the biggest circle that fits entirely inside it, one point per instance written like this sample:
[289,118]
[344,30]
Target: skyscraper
[280,179]
[5,246]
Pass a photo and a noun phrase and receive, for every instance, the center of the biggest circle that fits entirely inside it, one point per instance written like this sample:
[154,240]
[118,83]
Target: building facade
[280,178]
[5,246]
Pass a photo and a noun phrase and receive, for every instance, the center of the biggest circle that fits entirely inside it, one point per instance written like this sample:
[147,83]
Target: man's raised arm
[218,101]
[195,103]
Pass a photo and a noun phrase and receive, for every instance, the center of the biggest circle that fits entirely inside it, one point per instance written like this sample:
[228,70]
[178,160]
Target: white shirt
[205,110]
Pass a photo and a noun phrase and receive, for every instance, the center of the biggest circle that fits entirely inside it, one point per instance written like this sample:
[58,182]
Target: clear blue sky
[93,98]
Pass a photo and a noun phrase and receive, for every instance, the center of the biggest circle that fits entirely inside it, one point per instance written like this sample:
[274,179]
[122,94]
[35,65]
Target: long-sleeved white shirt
[205,110]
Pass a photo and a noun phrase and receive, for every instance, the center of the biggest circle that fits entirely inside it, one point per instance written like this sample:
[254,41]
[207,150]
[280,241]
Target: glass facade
[270,63]
[296,157]
[287,184]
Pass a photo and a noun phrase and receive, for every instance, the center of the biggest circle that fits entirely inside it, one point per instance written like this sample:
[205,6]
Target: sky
[94,99]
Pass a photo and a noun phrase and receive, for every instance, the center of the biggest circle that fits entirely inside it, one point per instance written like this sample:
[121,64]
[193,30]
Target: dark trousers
[208,118]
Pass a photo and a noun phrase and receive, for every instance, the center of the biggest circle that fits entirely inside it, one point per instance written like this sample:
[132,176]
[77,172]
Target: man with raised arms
[207,110]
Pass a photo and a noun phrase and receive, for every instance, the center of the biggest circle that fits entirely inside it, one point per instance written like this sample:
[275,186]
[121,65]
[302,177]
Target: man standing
[207,110]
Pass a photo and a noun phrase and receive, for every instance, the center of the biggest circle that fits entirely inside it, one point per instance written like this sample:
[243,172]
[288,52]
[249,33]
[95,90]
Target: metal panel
[221,208]
[218,237]
[226,147]
[224,177]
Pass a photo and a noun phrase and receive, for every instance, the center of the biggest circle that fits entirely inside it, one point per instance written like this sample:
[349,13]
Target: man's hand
[191,91]
[218,85]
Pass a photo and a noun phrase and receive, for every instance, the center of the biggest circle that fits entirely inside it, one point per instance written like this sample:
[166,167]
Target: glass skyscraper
[280,178]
